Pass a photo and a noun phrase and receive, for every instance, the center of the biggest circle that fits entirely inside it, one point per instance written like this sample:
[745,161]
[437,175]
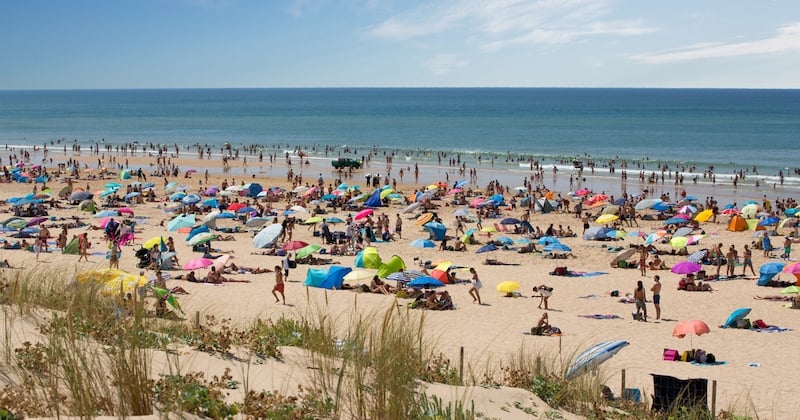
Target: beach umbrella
[487,248]
[461,213]
[267,236]
[679,242]
[257,221]
[488,229]
[425,218]
[789,223]
[523,241]
[112,280]
[358,276]
[698,256]
[690,327]
[181,221]
[749,211]
[735,316]
[682,231]
[36,220]
[405,276]
[510,221]
[547,240]
[87,206]
[17,224]
[178,196]
[686,267]
[593,357]
[201,238]
[294,245]
[210,219]
[616,234]
[411,207]
[507,286]
[505,240]
[793,268]
[675,221]
[647,203]
[195,231]
[730,212]
[687,209]
[313,220]
[154,241]
[771,268]
[246,209]
[581,192]
[425,282]
[198,263]
[423,243]
[791,290]
[106,213]
[557,247]
[167,296]
[307,250]
[299,209]
[704,216]
[768,221]
[334,220]
[455,191]
[622,256]
[362,214]
[191,199]
[606,218]
[611,209]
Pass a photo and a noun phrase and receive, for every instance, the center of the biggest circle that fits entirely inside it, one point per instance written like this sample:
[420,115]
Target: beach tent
[735,316]
[370,258]
[544,205]
[327,278]
[374,200]
[254,189]
[393,265]
[87,206]
[768,271]
[440,275]
[72,247]
[737,224]
[197,230]
[437,230]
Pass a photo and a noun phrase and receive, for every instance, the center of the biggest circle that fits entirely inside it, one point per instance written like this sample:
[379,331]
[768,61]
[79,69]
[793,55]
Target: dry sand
[490,332]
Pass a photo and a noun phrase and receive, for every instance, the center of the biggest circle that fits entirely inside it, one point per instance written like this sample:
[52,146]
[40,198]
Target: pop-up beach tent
[327,278]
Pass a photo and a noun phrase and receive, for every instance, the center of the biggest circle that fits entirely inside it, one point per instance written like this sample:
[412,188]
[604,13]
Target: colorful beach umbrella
[606,218]
[307,250]
[425,218]
[507,286]
[198,263]
[686,267]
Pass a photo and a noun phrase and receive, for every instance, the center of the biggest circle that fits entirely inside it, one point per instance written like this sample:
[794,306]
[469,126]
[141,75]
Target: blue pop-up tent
[327,278]
[436,229]
[374,200]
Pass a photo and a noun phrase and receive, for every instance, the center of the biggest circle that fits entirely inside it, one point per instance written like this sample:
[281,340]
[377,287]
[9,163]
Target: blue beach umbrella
[423,243]
[735,316]
[184,220]
[178,196]
[191,199]
[592,357]
[769,221]
[106,213]
[425,282]
[768,271]
[487,248]
[557,247]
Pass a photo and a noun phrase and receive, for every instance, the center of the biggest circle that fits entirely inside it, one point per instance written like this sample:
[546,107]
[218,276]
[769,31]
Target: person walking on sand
[656,289]
[639,296]
[643,259]
[474,291]
[279,285]
[286,266]
[83,247]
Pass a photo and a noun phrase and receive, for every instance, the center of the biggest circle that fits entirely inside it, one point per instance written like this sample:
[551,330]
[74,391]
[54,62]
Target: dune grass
[92,355]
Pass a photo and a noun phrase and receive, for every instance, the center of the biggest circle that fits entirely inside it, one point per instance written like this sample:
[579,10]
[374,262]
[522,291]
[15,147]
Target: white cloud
[444,63]
[498,24]
[787,39]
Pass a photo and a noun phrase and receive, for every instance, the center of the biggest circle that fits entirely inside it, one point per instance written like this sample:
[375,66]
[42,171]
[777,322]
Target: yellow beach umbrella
[704,216]
[386,192]
[606,218]
[507,286]
[489,229]
[313,220]
[444,265]
[150,243]
[679,242]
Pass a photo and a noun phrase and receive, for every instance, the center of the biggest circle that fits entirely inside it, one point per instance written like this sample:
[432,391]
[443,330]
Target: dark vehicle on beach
[346,163]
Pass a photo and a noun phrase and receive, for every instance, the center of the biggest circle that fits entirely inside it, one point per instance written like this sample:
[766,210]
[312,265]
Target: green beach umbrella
[168,297]
[313,220]
[307,250]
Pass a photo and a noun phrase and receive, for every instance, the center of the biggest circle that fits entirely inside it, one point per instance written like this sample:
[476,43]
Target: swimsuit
[640,304]
[656,299]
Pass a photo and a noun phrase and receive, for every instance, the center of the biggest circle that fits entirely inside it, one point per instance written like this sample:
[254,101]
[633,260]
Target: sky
[98,44]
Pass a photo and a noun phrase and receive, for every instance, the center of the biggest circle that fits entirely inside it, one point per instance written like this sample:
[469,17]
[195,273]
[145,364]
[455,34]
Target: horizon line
[387,87]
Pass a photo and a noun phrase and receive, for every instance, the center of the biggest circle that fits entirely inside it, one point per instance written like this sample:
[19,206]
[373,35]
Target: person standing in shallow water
[656,289]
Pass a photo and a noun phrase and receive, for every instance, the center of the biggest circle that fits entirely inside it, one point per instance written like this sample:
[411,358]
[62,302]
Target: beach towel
[585,274]
[708,364]
[601,316]
[771,329]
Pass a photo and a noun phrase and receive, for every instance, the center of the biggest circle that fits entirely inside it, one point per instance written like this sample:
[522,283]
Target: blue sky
[330,43]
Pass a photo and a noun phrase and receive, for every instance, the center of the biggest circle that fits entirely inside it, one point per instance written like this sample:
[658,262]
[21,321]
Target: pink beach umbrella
[198,263]
[125,210]
[363,213]
[686,267]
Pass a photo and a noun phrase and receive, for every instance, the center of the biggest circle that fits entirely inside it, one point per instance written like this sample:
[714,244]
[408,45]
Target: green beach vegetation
[69,350]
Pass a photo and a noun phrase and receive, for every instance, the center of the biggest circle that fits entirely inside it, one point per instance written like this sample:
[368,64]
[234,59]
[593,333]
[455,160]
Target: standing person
[474,291]
[585,221]
[716,254]
[286,266]
[83,247]
[731,257]
[656,289]
[113,258]
[641,308]
[279,285]
[766,244]
[787,248]
[544,293]
[643,260]
[747,257]
[398,226]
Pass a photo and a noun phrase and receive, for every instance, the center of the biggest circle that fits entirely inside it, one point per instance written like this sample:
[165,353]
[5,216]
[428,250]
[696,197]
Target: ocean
[506,128]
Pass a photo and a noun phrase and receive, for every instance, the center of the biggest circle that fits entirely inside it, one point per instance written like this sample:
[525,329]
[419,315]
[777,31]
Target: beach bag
[687,356]
[560,271]
[700,356]
[759,323]
[743,324]
[670,355]
[710,358]
[615,293]
[623,264]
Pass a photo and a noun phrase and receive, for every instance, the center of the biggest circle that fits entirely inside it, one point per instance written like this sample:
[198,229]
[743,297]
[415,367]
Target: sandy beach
[757,366]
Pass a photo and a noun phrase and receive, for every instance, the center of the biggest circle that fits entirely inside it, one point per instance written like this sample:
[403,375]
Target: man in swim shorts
[656,289]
